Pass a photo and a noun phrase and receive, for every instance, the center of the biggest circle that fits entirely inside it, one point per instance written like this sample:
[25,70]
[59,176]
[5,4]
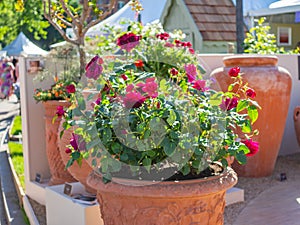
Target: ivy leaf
[253,113]
[147,163]
[241,157]
[243,104]
[216,99]
[246,127]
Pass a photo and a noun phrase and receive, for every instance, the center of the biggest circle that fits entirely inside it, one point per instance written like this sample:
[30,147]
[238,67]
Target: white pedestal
[62,209]
[234,195]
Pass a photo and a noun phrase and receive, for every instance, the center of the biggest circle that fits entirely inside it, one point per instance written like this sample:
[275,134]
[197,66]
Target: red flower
[93,69]
[124,76]
[229,103]
[139,63]
[192,51]
[200,85]
[234,72]
[253,146]
[68,151]
[173,71]
[168,44]
[71,88]
[128,41]
[163,36]
[60,110]
[77,142]
[250,93]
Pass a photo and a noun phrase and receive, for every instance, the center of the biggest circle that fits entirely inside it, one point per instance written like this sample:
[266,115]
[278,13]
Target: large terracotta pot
[133,202]
[57,168]
[272,85]
[80,173]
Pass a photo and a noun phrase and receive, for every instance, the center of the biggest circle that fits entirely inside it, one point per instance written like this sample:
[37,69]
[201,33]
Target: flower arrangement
[155,116]
[65,81]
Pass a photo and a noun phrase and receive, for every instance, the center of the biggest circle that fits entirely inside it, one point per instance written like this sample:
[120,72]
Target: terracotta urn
[272,85]
[57,168]
[80,173]
[134,202]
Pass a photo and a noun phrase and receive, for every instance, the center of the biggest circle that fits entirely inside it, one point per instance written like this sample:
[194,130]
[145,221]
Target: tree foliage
[13,19]
[260,41]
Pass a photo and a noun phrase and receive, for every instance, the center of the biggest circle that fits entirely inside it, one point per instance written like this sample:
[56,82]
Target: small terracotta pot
[272,85]
[133,202]
[57,168]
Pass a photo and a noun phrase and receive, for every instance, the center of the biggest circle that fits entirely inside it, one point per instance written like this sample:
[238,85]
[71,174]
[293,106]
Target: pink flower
[151,87]
[129,88]
[93,69]
[60,110]
[200,85]
[250,93]
[173,71]
[191,72]
[229,103]
[68,151]
[128,41]
[71,88]
[253,146]
[133,99]
[169,45]
[234,72]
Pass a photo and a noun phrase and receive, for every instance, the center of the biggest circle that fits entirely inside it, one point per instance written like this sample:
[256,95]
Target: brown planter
[132,202]
[80,173]
[57,168]
[272,85]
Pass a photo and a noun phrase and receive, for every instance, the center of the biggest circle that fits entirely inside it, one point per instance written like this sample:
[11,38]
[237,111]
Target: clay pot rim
[227,179]
[56,102]
[250,60]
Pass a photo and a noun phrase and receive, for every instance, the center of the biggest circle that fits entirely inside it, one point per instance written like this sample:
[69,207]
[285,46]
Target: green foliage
[16,128]
[154,110]
[16,153]
[30,21]
[260,41]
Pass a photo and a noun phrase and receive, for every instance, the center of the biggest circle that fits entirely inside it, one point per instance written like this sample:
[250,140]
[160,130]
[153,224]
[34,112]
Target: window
[284,36]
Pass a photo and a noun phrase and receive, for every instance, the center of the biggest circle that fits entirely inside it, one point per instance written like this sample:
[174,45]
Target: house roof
[215,19]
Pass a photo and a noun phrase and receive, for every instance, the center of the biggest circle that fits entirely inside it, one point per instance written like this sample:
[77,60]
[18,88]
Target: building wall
[295,33]
[219,47]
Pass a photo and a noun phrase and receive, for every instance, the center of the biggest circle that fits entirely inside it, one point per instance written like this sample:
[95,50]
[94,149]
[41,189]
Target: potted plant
[158,136]
[55,99]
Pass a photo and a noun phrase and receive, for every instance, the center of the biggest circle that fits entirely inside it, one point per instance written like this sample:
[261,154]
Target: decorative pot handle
[296,113]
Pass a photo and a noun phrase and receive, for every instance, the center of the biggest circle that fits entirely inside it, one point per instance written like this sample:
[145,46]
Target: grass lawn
[16,153]
[16,126]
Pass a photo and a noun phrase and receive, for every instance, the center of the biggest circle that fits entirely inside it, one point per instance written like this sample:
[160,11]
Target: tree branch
[68,12]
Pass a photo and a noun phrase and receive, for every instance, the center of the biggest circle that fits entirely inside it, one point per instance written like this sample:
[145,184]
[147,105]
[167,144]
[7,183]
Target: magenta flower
[60,110]
[163,36]
[169,45]
[94,68]
[68,151]
[129,88]
[250,93]
[70,88]
[253,146]
[128,41]
[150,87]
[229,103]
[191,50]
[200,85]
[133,99]
[173,71]
[191,72]
[77,142]
[234,72]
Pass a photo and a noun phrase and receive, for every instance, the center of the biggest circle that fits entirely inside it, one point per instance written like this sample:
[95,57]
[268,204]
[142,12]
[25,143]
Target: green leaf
[169,147]
[243,104]
[81,103]
[172,117]
[246,128]
[185,169]
[70,163]
[147,163]
[253,113]
[241,157]
[75,155]
[215,99]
